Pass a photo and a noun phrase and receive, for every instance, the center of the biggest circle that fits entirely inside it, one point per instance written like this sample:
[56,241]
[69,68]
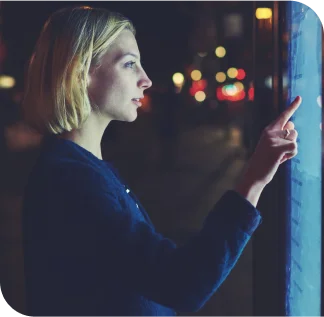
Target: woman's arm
[145,262]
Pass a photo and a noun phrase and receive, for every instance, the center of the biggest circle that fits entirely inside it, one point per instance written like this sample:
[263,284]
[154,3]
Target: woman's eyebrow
[127,54]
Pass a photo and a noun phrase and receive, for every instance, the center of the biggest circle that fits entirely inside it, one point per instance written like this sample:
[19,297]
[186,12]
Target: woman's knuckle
[266,130]
[294,146]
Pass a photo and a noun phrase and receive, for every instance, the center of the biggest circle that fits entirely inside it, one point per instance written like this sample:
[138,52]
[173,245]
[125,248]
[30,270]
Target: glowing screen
[303,266]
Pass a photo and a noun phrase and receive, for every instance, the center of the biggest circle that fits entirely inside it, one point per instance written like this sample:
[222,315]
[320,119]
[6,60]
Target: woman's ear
[89,76]
[88,79]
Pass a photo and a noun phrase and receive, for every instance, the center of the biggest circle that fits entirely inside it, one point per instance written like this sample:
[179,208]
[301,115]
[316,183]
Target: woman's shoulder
[62,166]
[70,171]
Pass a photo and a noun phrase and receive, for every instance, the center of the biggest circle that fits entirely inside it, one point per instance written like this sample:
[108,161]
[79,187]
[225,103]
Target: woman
[90,248]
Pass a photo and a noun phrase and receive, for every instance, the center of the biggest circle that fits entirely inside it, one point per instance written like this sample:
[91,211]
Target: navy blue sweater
[91,250]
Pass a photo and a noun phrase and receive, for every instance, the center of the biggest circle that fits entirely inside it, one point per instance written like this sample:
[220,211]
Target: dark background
[162,30]
[179,156]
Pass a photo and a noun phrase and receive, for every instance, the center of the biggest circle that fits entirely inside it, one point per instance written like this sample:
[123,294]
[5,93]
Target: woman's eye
[130,64]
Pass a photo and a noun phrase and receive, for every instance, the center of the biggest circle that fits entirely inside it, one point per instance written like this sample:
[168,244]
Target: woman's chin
[131,117]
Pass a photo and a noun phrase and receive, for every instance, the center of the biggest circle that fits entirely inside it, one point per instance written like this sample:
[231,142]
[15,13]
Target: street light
[263,13]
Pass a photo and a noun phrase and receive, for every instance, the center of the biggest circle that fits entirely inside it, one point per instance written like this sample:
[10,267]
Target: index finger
[282,120]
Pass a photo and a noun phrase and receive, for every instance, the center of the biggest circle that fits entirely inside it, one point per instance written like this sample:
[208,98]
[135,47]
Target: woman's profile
[90,248]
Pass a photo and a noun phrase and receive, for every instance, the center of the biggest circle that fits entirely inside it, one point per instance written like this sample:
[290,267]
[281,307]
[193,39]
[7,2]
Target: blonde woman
[90,247]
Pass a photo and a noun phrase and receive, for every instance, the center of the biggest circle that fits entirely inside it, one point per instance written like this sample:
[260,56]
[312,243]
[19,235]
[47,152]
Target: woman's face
[120,79]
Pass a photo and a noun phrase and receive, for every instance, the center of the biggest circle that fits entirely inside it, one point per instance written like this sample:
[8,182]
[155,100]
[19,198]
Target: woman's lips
[137,102]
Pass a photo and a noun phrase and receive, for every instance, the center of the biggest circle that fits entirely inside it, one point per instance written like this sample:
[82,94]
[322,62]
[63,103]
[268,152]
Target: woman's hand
[275,146]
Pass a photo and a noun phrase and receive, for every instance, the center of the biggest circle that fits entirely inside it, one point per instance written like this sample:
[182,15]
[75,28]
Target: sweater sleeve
[182,278]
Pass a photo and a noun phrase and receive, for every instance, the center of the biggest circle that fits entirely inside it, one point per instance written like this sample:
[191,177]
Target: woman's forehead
[125,43]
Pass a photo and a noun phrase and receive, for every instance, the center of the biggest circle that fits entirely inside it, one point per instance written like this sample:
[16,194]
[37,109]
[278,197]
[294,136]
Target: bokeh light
[230,90]
[263,13]
[178,79]
[196,86]
[240,74]
[220,77]
[7,82]
[251,93]
[239,86]
[200,96]
[220,51]
[232,72]
[196,74]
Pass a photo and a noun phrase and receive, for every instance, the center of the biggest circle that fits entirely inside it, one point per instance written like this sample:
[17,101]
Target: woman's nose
[145,82]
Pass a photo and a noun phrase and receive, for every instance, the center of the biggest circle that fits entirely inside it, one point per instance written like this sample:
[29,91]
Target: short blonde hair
[72,40]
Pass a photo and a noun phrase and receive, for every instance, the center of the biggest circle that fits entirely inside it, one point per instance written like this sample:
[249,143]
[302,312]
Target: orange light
[239,96]
[146,104]
[239,86]
[220,77]
[196,74]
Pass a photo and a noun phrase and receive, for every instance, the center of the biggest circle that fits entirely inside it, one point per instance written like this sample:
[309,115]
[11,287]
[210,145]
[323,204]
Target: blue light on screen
[303,267]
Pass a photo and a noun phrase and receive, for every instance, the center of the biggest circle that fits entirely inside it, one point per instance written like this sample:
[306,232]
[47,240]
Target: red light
[240,74]
[198,85]
[237,97]
[251,94]
[219,94]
